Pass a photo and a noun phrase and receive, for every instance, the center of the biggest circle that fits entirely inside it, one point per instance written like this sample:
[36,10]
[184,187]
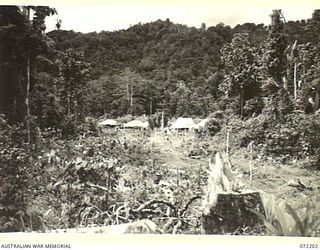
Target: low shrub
[297,137]
[215,122]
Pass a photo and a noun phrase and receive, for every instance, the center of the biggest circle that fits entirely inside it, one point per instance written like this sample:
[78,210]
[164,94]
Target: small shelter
[136,124]
[108,123]
[183,124]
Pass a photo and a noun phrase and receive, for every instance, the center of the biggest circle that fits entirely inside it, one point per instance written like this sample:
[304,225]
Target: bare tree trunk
[284,83]
[162,120]
[242,103]
[131,99]
[128,94]
[294,70]
[295,81]
[27,101]
[28,90]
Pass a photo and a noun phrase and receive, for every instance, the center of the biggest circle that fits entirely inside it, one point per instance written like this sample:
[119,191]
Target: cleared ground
[269,177]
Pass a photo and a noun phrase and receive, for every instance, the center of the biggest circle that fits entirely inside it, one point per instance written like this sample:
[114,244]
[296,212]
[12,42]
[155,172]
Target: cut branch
[97,186]
[153,202]
[189,203]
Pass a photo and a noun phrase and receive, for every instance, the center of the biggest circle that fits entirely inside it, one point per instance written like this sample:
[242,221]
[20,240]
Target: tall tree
[242,72]
[276,59]
[276,66]
[22,40]
[73,75]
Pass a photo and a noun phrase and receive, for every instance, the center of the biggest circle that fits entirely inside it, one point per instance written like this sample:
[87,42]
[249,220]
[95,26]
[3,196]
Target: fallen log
[298,184]
[144,226]
[227,208]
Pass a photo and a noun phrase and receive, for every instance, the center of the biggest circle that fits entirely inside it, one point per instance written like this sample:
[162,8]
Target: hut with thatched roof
[183,124]
[108,123]
[136,124]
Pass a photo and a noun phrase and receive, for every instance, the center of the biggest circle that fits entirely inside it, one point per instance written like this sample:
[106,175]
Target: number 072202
[310,246]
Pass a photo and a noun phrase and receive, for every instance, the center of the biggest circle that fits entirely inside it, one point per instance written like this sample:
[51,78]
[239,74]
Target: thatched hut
[183,124]
[136,124]
[109,123]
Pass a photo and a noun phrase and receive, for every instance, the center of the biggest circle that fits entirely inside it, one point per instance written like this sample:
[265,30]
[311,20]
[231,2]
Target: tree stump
[232,212]
[227,208]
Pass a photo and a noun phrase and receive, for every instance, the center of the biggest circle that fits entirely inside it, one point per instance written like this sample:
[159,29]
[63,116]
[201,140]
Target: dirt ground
[269,178]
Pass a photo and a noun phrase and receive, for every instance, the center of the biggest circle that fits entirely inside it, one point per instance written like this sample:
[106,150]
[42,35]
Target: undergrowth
[112,178]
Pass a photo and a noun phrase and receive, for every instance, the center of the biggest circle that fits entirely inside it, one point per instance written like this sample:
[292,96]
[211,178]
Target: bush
[215,123]
[70,126]
[15,177]
[297,137]
[253,107]
[212,126]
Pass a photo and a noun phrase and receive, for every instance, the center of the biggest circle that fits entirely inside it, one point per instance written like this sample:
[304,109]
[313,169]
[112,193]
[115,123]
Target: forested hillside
[257,85]
[184,70]
[168,63]
[165,63]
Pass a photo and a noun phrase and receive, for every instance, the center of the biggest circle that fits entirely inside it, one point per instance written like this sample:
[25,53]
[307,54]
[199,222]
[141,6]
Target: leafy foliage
[14,166]
[105,181]
[297,138]
[72,80]
[277,44]
[283,220]
[242,78]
